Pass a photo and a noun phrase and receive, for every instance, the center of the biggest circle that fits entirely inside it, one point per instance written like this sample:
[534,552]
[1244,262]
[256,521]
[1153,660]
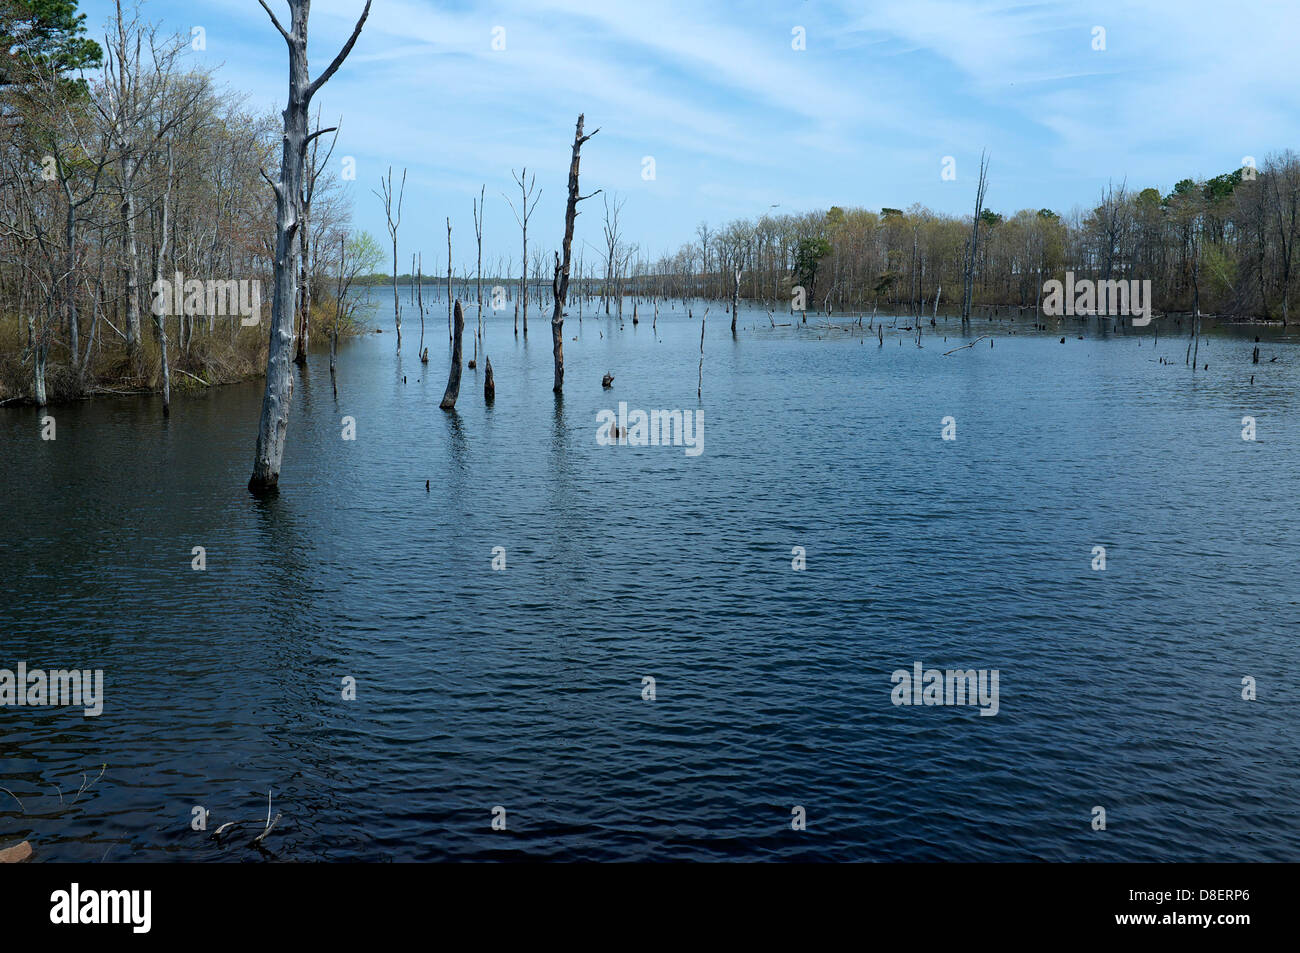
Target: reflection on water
[522,687]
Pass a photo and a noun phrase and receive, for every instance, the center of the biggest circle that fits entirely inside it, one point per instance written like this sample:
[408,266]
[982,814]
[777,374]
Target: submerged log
[453,378]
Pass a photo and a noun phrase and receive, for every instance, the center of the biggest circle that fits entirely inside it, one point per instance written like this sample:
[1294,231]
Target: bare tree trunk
[419,284]
[304,290]
[699,390]
[387,197]
[735,301]
[161,314]
[39,349]
[449,321]
[489,383]
[274,423]
[130,252]
[560,284]
[453,378]
[969,290]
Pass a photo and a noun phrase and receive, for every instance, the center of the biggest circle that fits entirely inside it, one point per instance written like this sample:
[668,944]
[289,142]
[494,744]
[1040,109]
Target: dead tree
[611,243]
[449,321]
[527,205]
[478,235]
[969,290]
[560,283]
[160,311]
[735,298]
[699,389]
[419,285]
[393,223]
[453,378]
[274,422]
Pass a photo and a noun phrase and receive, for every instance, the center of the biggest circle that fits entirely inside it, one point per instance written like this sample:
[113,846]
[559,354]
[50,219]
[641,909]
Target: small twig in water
[16,798]
[86,784]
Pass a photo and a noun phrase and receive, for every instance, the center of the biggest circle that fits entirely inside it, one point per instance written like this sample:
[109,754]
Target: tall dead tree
[274,422]
[735,293]
[560,283]
[449,321]
[160,311]
[393,223]
[611,242]
[974,240]
[478,235]
[527,204]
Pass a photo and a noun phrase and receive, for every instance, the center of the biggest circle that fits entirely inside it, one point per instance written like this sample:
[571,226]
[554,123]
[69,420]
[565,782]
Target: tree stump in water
[607,381]
[489,382]
[453,378]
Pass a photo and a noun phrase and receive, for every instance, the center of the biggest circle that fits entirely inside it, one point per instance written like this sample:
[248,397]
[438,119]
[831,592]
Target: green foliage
[990,218]
[1221,186]
[364,253]
[43,34]
[808,255]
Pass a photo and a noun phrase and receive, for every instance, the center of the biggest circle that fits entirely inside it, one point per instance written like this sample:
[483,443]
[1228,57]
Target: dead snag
[453,379]
[560,283]
[489,382]
[274,421]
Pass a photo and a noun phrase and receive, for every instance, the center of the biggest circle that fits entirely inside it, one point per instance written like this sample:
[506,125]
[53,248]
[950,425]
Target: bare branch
[283,32]
[342,55]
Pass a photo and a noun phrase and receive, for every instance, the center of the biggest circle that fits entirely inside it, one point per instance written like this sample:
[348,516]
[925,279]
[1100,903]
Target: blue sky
[737,120]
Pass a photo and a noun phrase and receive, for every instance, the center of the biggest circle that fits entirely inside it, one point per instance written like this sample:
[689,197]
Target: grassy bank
[208,360]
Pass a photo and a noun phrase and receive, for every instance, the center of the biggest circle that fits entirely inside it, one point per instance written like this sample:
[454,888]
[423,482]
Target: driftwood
[453,379]
[16,854]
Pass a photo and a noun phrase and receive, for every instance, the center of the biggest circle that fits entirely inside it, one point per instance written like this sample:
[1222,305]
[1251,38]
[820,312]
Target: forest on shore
[122,164]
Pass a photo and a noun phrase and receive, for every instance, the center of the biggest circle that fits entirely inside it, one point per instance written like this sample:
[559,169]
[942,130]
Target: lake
[524,688]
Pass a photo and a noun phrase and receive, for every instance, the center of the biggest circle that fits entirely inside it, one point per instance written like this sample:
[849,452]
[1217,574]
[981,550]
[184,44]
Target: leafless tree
[394,217]
[560,283]
[526,206]
[274,423]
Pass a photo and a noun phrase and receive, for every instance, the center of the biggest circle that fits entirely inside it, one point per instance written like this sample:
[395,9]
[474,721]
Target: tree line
[1223,245]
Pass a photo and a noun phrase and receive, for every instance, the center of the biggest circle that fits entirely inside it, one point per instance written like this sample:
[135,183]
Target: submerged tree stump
[489,382]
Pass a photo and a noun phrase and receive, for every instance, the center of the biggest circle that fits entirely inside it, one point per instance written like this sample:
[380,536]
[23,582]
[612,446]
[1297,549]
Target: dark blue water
[522,688]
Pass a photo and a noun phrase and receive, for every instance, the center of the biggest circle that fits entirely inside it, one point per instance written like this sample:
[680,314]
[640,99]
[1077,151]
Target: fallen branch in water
[192,377]
[964,346]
